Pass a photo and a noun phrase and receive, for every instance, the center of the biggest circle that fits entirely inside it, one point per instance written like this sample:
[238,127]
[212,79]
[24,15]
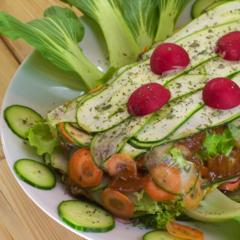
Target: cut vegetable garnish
[117,203]
[148,99]
[121,165]
[169,57]
[35,173]
[156,193]
[82,169]
[85,216]
[184,232]
[167,178]
[159,235]
[230,186]
[20,119]
[221,93]
[228,46]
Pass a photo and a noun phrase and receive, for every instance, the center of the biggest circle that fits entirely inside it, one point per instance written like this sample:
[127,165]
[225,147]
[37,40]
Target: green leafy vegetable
[178,158]
[41,137]
[215,144]
[56,37]
[121,44]
[155,214]
[169,11]
[142,18]
[234,128]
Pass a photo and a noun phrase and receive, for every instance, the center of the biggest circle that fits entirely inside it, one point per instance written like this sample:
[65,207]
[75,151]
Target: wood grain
[20,218]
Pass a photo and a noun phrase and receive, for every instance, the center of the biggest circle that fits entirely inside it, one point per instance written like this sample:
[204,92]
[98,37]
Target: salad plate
[42,87]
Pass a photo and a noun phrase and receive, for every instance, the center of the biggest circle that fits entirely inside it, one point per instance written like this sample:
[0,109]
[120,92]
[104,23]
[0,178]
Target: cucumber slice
[235,196]
[159,235]
[78,136]
[216,207]
[200,6]
[85,216]
[20,119]
[35,173]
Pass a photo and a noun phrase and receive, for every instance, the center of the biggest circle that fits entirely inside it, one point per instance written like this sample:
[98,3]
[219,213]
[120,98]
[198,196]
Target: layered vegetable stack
[153,141]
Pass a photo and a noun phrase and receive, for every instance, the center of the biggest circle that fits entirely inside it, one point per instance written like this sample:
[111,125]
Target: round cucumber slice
[85,216]
[20,119]
[216,207]
[159,235]
[35,173]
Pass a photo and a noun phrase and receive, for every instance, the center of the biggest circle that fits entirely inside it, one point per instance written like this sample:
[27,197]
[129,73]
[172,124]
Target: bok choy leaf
[122,47]
[56,37]
[142,17]
[169,11]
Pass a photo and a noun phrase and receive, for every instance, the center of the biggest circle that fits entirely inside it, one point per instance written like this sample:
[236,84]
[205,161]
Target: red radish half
[148,99]
[221,93]
[168,57]
[228,46]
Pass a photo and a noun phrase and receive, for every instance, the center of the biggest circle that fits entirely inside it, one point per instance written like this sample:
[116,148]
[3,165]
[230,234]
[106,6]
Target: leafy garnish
[56,36]
[155,214]
[234,128]
[41,137]
[217,144]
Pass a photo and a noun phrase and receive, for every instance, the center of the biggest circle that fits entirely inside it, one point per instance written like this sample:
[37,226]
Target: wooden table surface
[20,218]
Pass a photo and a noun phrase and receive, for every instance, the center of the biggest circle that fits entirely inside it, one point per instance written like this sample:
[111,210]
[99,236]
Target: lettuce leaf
[41,137]
[155,214]
[215,144]
[56,36]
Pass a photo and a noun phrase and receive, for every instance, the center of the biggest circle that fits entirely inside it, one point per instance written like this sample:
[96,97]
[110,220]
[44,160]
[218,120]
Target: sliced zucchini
[170,118]
[105,144]
[84,216]
[78,136]
[200,6]
[20,119]
[35,173]
[132,151]
[107,109]
[216,207]
[159,235]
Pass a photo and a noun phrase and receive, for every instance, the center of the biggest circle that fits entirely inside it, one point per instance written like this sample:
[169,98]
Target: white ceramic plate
[39,85]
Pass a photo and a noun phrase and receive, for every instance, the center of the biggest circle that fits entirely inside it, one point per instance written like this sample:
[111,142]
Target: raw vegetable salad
[156,138]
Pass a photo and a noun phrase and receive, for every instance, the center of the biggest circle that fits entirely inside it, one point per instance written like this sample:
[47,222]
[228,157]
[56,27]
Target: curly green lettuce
[155,214]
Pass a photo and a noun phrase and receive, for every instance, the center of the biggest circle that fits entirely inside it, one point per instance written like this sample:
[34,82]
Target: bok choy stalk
[56,37]
[169,11]
[142,17]
[122,47]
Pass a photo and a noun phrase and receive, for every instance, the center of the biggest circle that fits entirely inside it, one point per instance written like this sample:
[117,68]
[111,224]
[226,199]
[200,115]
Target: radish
[169,57]
[148,99]
[221,93]
[228,46]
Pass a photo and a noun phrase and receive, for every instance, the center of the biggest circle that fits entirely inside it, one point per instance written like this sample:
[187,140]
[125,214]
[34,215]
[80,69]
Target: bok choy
[130,27]
[169,11]
[56,36]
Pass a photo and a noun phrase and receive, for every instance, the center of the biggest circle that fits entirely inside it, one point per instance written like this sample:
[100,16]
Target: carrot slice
[67,137]
[167,178]
[185,232]
[230,186]
[121,164]
[117,203]
[82,169]
[156,193]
